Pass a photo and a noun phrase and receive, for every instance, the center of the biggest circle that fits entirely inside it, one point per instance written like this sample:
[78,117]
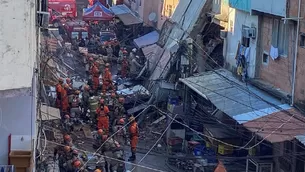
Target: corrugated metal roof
[129,19]
[147,39]
[120,9]
[153,54]
[278,126]
[301,138]
[228,97]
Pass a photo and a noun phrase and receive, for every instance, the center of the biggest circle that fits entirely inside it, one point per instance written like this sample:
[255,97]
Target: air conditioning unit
[249,32]
[44,18]
[223,34]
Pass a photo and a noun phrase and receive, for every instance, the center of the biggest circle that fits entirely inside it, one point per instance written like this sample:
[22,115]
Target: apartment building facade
[153,13]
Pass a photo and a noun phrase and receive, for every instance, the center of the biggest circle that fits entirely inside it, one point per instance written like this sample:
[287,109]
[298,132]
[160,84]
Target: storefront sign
[98,14]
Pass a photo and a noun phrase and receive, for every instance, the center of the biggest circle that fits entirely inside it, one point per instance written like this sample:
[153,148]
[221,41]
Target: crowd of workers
[100,107]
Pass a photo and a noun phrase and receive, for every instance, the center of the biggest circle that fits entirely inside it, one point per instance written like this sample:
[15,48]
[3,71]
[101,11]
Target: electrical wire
[85,151]
[291,117]
[161,136]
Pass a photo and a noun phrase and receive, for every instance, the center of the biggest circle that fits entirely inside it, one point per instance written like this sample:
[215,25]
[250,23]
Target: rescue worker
[67,124]
[99,138]
[109,51]
[107,79]
[93,106]
[65,99]
[59,89]
[134,137]
[124,67]
[70,91]
[113,150]
[119,111]
[135,67]
[75,165]
[85,100]
[63,154]
[120,131]
[75,105]
[121,54]
[95,76]
[69,82]
[103,119]
[112,103]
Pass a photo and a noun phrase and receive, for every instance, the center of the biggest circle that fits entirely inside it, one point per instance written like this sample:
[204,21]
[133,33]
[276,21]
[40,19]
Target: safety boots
[132,157]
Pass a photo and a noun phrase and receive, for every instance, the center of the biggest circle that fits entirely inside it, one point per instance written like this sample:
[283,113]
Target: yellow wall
[167,10]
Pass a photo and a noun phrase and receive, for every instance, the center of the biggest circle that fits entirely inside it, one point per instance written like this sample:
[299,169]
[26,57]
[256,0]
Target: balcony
[274,7]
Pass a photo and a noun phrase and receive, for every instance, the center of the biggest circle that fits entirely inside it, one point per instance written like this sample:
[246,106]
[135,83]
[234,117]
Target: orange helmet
[102,101]
[67,148]
[121,121]
[67,137]
[100,132]
[104,137]
[68,80]
[86,87]
[67,116]
[97,170]
[113,95]
[60,80]
[121,99]
[77,163]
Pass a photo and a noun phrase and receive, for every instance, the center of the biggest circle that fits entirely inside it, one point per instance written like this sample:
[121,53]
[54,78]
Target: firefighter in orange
[107,79]
[134,137]
[65,99]
[95,76]
[59,89]
[102,117]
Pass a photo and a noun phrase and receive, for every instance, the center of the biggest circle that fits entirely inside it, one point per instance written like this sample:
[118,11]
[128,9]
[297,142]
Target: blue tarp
[147,39]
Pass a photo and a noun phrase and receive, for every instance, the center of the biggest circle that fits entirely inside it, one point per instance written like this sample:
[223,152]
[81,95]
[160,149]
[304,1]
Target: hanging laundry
[274,52]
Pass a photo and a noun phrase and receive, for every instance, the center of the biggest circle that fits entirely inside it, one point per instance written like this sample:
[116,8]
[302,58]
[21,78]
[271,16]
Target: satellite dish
[152,17]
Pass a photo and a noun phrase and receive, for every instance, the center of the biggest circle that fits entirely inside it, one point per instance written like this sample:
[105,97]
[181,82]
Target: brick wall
[277,72]
[300,71]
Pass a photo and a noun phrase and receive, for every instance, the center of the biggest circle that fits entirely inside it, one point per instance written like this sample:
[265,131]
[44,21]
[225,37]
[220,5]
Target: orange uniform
[59,89]
[107,80]
[134,136]
[95,76]
[103,119]
[65,100]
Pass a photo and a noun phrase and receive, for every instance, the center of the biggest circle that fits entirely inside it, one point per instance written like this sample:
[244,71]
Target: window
[302,40]
[280,36]
[265,58]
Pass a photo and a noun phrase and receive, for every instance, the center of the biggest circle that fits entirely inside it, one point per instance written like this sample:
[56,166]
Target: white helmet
[134,50]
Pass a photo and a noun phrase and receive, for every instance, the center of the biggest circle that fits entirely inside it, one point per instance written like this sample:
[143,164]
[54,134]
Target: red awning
[97,12]
[279,126]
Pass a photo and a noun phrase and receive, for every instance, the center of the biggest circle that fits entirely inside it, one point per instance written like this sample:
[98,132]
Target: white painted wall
[239,18]
[16,119]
